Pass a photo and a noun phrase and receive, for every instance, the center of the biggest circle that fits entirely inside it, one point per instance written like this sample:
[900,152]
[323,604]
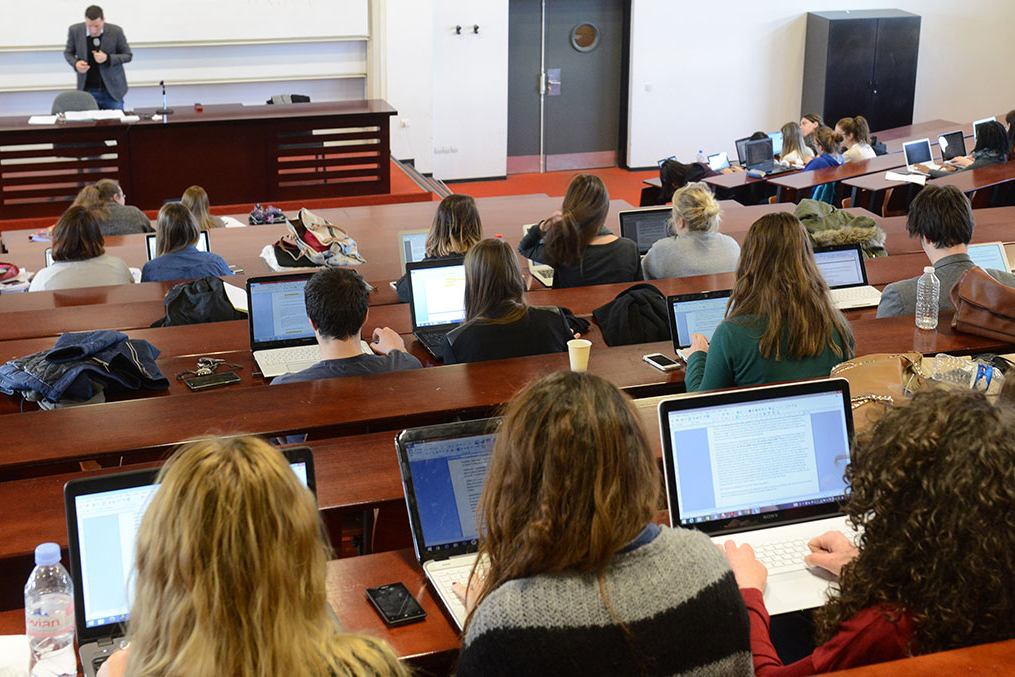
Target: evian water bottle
[49,615]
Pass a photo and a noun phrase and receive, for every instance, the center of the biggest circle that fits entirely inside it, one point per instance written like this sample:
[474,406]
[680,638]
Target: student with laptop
[176,236]
[230,575]
[930,491]
[456,227]
[942,217]
[855,134]
[780,324]
[992,147]
[795,150]
[694,246]
[580,580]
[827,143]
[79,256]
[115,216]
[575,241]
[498,323]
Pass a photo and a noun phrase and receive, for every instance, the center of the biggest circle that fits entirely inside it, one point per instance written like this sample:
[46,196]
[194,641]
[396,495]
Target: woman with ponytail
[575,242]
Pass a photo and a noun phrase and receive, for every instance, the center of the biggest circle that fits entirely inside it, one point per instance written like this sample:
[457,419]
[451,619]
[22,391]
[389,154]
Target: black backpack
[198,302]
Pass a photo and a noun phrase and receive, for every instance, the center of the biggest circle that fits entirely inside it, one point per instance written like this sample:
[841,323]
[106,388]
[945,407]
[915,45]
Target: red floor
[622,184]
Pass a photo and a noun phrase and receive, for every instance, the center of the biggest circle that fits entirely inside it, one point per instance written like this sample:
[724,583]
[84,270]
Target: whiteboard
[185,21]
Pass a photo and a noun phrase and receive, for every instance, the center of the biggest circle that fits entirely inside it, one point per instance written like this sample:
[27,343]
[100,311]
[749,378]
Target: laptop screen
[718,161]
[438,294]
[989,255]
[841,266]
[277,311]
[49,256]
[980,122]
[757,452]
[917,151]
[152,244]
[645,226]
[742,150]
[759,152]
[696,314]
[776,138]
[952,145]
[413,246]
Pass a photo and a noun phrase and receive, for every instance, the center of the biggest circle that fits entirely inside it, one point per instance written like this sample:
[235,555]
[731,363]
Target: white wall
[743,68]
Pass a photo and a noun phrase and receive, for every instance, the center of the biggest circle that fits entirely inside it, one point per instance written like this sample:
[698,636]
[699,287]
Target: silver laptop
[436,300]
[443,470]
[980,122]
[846,276]
[412,245]
[918,153]
[151,243]
[719,161]
[763,466]
[952,145]
[990,255]
[645,226]
[698,313]
[540,271]
[103,514]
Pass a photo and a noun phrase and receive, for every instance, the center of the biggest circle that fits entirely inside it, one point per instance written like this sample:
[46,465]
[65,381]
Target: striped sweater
[676,595]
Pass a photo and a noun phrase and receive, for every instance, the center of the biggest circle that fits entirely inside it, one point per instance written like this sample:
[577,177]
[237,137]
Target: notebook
[698,313]
[763,466]
[952,145]
[645,226]
[918,152]
[846,276]
[719,161]
[443,470]
[412,245]
[540,271]
[203,243]
[761,158]
[103,514]
[990,255]
[436,300]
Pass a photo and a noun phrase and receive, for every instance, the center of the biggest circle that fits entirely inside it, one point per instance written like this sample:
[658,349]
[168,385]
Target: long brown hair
[494,287]
[571,481]
[793,140]
[456,227]
[778,280]
[583,213]
[231,566]
[932,496]
[77,236]
[91,199]
[857,128]
[196,200]
[175,229]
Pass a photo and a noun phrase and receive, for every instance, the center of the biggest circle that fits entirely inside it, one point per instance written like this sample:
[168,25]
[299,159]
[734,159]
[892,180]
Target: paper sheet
[42,120]
[919,179]
[237,296]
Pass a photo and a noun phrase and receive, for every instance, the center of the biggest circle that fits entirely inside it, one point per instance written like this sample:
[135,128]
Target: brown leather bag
[983,306]
[879,381]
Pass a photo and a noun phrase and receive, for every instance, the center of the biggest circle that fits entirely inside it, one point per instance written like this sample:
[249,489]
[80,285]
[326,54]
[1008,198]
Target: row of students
[230,561]
[106,199]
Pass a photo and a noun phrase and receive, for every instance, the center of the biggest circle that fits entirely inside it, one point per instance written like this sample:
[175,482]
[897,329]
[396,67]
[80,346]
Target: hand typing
[831,551]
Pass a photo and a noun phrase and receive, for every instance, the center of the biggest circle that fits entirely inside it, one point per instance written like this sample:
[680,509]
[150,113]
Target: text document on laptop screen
[438,295]
[988,256]
[761,456]
[278,311]
[840,268]
[447,481]
[414,247]
[649,227]
[698,317]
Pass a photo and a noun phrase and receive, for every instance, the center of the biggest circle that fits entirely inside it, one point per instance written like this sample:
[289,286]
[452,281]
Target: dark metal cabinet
[862,63]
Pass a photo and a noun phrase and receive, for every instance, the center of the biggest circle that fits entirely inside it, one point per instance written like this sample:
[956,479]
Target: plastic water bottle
[967,373]
[928,291]
[701,157]
[49,615]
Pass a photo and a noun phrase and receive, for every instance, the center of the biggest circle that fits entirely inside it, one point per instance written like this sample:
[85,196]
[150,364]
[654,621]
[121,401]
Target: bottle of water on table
[928,292]
[49,615]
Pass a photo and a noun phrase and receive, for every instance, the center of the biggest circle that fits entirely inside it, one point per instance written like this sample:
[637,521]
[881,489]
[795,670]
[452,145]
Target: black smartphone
[394,604]
[211,380]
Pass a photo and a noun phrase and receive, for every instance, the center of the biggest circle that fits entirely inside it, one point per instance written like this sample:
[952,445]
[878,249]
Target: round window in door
[585,37]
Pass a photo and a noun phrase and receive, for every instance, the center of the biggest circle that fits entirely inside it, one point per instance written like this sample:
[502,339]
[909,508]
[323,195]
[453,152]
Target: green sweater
[733,359]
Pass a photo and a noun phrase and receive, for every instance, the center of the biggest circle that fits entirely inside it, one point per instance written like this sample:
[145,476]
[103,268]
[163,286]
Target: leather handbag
[983,306]
[879,381]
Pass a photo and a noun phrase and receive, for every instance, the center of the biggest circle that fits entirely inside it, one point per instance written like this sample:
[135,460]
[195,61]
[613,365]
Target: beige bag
[879,381]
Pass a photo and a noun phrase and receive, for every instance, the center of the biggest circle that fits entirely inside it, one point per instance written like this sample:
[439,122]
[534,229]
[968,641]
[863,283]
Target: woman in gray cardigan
[695,246]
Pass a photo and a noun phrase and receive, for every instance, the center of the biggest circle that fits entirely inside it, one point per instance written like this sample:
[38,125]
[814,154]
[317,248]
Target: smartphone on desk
[395,604]
[661,362]
[211,380]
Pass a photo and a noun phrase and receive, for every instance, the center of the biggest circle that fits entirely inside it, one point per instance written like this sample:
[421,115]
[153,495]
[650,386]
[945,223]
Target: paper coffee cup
[578,352]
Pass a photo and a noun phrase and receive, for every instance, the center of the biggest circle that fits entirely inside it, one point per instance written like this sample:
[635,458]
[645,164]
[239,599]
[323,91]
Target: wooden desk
[986,659]
[895,138]
[239,154]
[797,185]
[870,188]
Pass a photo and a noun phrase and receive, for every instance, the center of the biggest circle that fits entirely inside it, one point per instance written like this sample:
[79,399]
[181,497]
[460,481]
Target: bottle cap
[47,554]
[928,269]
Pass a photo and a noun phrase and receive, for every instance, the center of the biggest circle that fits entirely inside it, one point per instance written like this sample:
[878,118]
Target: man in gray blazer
[97,51]
[942,218]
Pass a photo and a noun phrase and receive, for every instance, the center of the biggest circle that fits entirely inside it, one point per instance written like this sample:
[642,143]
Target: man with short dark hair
[942,218]
[97,51]
[336,301]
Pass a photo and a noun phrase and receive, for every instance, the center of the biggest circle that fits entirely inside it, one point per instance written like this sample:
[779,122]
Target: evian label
[52,615]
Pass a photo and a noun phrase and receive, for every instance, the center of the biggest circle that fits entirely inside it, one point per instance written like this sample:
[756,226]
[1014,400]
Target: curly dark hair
[933,494]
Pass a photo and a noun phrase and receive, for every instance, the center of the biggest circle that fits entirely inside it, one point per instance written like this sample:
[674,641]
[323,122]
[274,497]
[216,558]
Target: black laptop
[436,300]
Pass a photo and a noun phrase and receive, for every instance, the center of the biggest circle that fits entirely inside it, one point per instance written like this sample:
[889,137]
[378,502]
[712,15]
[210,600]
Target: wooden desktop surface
[791,186]
[967,181]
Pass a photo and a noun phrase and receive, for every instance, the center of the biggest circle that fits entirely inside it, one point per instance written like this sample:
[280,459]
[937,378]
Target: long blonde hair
[196,200]
[231,563]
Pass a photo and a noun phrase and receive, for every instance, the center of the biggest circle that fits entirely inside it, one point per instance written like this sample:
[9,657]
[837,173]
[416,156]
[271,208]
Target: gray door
[581,110]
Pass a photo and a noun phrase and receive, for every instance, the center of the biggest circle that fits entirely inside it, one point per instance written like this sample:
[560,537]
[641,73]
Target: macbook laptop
[980,122]
[436,300]
[990,255]
[719,161]
[698,313]
[540,271]
[846,276]
[763,466]
[412,245]
[152,244]
[103,514]
[952,144]
[761,158]
[645,226]
[918,152]
[443,470]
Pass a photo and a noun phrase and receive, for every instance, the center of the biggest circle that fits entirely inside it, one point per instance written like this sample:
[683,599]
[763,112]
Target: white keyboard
[783,556]
[443,577]
[311,353]
[542,273]
[855,297]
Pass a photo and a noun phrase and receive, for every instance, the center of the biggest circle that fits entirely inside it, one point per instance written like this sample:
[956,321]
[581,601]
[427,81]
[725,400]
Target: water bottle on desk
[928,291]
[701,157]
[49,615]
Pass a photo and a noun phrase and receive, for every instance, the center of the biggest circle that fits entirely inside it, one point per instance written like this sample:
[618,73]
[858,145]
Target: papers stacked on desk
[79,115]
[42,120]
[919,179]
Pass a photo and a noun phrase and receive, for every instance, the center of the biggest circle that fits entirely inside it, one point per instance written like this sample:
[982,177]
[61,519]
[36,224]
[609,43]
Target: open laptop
[952,145]
[645,226]
[203,244]
[436,300]
[443,470]
[540,271]
[761,158]
[719,161]
[776,138]
[980,122]
[990,255]
[918,152]
[741,145]
[698,313]
[412,245]
[103,514]
[846,276]
[763,466]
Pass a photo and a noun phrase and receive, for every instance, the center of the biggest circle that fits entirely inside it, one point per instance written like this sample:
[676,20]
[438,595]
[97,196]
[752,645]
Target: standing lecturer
[97,51]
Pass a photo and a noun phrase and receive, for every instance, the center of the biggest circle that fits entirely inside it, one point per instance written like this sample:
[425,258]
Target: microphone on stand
[165,110]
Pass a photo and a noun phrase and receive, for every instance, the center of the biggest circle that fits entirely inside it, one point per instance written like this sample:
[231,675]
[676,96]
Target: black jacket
[637,315]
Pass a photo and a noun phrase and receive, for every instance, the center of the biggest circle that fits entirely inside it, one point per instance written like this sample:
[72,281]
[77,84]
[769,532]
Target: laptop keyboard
[783,556]
[98,661]
[855,296]
[311,353]
[443,578]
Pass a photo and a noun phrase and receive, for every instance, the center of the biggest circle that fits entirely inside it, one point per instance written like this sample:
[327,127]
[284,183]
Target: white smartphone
[661,362]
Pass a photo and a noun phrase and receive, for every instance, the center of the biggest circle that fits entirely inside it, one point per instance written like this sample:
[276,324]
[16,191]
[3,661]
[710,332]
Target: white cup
[578,352]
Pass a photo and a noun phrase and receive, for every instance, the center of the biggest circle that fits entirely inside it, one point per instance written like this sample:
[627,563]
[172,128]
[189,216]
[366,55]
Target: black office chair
[74,101]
